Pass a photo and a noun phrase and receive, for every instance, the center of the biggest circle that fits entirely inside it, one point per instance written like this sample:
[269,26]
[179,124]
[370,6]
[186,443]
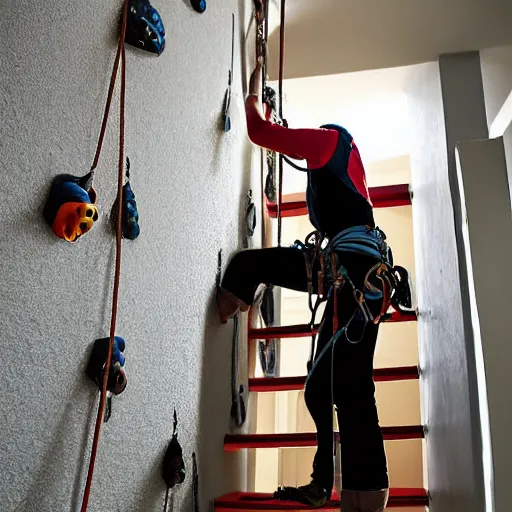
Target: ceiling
[326,37]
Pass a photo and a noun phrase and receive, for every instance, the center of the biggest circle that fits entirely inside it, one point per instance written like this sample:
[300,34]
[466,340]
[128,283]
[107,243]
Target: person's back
[337,195]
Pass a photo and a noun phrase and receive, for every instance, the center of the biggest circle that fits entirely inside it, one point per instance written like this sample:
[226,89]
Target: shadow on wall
[221,472]
[48,481]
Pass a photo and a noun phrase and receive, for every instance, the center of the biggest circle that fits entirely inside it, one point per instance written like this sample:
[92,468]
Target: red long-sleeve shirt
[315,145]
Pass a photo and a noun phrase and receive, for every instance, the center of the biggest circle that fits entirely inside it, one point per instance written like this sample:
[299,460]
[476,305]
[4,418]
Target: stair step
[260,385]
[398,498]
[304,330]
[234,442]
[382,197]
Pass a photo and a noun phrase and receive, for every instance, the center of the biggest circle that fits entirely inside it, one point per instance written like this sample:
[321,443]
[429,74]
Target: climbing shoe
[311,494]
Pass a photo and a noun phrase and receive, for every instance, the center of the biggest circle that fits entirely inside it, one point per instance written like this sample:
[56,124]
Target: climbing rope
[281,75]
[121,55]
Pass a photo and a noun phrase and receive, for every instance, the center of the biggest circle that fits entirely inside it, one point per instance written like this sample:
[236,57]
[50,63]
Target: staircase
[382,197]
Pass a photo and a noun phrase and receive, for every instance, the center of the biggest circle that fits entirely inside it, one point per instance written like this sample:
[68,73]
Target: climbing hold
[145,28]
[96,367]
[130,215]
[173,468]
[70,209]
[199,5]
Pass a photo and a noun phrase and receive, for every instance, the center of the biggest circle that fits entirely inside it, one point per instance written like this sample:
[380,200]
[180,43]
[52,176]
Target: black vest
[334,203]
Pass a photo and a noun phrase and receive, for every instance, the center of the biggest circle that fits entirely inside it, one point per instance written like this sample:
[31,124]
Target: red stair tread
[284,331]
[398,497]
[382,197]
[297,383]
[304,330]
[234,442]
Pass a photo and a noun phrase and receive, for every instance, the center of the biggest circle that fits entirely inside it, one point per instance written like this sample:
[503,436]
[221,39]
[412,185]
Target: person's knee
[318,400]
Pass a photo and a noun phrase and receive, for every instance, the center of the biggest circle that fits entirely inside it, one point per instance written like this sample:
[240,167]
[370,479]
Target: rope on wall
[281,75]
[121,55]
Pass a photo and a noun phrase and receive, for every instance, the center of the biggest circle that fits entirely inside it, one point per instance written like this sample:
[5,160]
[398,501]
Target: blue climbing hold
[144,27]
[199,5]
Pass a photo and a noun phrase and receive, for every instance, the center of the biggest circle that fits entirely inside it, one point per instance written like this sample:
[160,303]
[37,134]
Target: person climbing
[355,258]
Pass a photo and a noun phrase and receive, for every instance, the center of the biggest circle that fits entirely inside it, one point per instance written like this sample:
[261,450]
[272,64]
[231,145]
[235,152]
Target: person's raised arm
[314,145]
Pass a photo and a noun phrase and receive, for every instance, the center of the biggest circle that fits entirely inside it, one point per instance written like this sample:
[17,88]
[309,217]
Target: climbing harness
[145,28]
[173,467]
[383,281]
[227,96]
[120,56]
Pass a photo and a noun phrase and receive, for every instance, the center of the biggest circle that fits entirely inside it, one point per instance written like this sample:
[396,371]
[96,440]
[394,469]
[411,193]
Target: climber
[342,374]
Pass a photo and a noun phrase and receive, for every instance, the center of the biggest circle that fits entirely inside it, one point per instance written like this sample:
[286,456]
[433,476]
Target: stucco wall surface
[190,182]
[454,463]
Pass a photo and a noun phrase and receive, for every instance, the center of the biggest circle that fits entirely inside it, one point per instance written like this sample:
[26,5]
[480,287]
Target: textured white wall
[490,300]
[453,460]
[497,80]
[190,182]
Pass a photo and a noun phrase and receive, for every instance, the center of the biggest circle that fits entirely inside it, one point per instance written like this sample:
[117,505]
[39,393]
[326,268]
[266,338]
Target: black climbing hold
[173,468]
[96,366]
[199,5]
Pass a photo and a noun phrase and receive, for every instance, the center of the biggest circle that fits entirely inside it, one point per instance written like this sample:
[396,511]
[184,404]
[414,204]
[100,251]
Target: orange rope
[281,76]
[107,108]
[103,396]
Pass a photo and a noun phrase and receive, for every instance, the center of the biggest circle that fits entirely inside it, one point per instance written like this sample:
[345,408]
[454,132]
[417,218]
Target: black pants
[351,389]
